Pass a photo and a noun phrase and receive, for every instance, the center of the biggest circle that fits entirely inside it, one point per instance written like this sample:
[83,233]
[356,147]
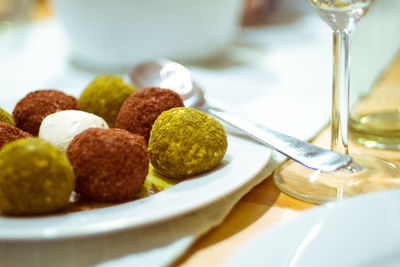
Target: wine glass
[366,173]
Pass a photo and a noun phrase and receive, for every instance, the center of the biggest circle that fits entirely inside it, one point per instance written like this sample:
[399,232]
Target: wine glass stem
[340,91]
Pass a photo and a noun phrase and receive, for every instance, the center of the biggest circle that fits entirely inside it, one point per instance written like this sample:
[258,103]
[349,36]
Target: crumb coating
[110,164]
[104,97]
[35,178]
[9,133]
[185,142]
[6,117]
[35,106]
[142,108]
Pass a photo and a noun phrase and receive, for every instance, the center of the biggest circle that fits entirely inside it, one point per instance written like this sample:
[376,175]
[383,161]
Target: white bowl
[119,33]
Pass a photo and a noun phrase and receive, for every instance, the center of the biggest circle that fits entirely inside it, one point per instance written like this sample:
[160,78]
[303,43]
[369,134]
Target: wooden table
[265,205]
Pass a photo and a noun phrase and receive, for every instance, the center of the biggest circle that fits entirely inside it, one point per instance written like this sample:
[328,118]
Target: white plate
[362,231]
[243,160]
[22,52]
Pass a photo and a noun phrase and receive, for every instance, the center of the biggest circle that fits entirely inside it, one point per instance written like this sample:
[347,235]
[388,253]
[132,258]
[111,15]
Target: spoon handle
[307,154]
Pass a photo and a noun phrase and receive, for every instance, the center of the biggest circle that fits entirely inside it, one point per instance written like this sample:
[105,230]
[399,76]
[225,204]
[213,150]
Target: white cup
[109,34]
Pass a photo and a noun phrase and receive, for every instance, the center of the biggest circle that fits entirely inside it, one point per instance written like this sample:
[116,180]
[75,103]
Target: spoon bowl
[168,74]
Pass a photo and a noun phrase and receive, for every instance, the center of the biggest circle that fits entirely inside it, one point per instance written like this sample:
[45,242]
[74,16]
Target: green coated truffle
[185,142]
[35,178]
[6,117]
[104,97]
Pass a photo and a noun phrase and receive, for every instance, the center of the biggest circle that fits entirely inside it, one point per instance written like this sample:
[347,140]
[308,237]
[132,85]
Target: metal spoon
[168,74]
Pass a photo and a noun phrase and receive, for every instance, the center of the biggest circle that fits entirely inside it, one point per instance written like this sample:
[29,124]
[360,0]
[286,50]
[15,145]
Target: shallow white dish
[362,231]
[243,160]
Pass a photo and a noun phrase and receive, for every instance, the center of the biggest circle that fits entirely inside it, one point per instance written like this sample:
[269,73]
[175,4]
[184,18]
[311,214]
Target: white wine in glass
[366,173]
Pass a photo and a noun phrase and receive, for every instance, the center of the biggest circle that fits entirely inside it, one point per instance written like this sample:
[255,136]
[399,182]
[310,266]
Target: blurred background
[85,23]
[21,11]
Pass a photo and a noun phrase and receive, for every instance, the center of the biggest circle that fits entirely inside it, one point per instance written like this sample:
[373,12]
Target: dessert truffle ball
[60,128]
[9,133]
[35,106]
[142,108]
[110,164]
[35,178]
[6,117]
[185,142]
[104,97]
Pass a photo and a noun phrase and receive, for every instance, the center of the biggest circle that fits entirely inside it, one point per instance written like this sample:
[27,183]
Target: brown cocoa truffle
[110,164]
[9,133]
[35,106]
[141,109]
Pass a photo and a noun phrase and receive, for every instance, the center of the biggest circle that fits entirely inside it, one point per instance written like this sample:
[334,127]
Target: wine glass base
[368,174]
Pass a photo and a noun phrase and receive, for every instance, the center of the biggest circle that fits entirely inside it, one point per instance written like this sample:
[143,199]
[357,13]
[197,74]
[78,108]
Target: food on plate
[141,109]
[9,133]
[185,142]
[35,178]
[155,183]
[6,117]
[60,128]
[78,162]
[104,97]
[110,164]
[35,106]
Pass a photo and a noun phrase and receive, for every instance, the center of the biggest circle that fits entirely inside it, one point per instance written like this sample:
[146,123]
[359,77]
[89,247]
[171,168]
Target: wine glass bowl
[366,173]
[341,14]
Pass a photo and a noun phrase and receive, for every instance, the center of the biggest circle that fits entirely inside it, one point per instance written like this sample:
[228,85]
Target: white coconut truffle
[60,128]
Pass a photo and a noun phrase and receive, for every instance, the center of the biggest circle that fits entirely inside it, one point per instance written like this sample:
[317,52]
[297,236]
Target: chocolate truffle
[142,108]
[6,117]
[104,97]
[35,106]
[9,133]
[185,142]
[110,164]
[35,178]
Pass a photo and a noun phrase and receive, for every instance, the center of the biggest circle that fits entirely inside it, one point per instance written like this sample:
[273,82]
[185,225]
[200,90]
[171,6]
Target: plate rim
[129,223]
